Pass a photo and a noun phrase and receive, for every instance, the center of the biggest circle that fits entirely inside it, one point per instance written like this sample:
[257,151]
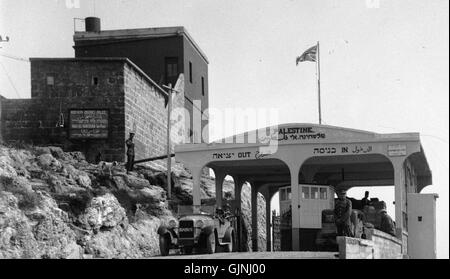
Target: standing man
[342,212]
[365,201]
[130,152]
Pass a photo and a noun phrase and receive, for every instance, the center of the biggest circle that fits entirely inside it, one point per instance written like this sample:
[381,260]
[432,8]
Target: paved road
[259,255]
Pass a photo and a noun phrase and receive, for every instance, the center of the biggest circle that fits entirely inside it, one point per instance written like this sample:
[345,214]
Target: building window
[190,72]
[203,86]
[323,193]
[95,81]
[285,194]
[50,80]
[305,192]
[171,70]
[314,193]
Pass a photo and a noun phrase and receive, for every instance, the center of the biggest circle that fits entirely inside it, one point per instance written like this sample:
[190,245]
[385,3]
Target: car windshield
[191,209]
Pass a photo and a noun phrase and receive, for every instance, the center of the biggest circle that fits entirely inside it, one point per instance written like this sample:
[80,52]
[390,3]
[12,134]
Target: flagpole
[318,82]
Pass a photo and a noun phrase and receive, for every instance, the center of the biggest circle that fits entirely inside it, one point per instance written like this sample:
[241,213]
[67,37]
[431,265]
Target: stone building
[113,86]
[91,104]
[163,53]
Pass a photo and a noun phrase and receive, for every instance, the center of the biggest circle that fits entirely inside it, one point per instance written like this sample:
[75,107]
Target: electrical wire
[10,80]
[15,57]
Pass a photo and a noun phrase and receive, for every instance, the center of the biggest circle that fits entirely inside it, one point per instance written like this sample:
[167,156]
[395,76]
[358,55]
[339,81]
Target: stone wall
[35,120]
[386,246]
[134,103]
[146,113]
[354,248]
[378,245]
[17,119]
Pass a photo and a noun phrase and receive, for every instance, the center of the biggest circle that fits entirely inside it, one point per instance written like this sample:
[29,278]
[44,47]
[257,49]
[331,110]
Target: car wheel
[164,244]
[211,243]
[229,247]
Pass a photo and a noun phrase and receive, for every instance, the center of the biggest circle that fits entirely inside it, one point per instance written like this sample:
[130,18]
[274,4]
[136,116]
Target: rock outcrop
[54,204]
[38,232]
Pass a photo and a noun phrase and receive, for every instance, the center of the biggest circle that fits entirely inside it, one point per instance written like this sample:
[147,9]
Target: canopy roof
[333,155]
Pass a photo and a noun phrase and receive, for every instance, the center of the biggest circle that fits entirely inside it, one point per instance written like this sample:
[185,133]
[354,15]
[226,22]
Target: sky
[384,64]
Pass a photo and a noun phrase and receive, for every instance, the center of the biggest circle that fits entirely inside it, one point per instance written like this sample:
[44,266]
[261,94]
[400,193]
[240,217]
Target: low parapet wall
[378,245]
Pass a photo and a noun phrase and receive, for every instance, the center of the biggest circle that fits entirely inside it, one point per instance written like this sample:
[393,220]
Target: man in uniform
[365,201]
[130,152]
[386,225]
[342,212]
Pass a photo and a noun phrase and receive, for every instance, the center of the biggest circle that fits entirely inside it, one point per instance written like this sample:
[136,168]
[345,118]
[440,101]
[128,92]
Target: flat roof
[104,59]
[139,33]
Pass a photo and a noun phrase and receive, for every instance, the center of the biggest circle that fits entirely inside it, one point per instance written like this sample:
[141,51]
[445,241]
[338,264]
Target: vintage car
[204,228]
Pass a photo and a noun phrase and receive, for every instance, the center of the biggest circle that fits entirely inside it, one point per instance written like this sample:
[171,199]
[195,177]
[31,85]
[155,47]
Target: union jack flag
[309,55]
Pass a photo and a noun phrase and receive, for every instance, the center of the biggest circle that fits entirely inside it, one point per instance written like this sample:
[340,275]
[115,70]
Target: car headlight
[172,224]
[199,224]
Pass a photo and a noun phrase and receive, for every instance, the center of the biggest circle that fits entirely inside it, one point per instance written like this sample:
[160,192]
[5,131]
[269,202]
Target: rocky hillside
[54,204]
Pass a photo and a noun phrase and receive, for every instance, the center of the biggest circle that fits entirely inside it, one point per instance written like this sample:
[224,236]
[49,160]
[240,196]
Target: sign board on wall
[397,150]
[299,133]
[89,124]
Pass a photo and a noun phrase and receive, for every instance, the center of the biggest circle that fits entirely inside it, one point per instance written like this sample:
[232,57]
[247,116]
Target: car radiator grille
[186,229]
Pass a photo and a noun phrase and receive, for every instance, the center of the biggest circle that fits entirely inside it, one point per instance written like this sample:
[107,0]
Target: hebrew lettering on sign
[89,124]
[298,134]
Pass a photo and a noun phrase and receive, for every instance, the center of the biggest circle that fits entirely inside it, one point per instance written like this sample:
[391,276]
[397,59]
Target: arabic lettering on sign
[260,155]
[353,149]
[301,133]
[357,149]
[85,124]
[361,149]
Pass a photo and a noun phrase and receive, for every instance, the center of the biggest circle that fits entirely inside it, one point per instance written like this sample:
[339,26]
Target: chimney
[93,24]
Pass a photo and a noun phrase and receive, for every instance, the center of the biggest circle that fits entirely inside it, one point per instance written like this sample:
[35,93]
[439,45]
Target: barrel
[92,24]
